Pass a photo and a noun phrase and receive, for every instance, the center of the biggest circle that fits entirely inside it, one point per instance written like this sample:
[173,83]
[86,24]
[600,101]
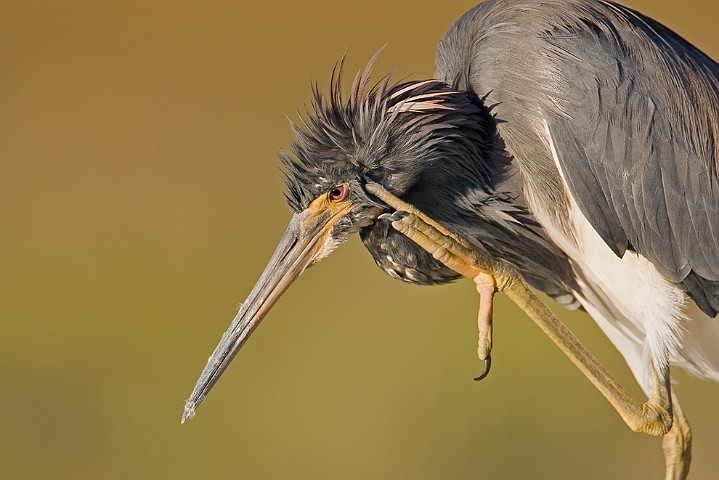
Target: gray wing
[634,113]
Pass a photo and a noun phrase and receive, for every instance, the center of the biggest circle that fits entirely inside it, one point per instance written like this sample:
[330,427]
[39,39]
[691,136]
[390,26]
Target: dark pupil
[336,193]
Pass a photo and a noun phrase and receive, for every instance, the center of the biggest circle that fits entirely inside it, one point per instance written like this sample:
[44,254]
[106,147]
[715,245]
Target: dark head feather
[389,132]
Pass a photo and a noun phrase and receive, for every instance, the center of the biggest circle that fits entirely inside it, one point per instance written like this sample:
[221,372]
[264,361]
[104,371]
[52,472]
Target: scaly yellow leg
[486,288]
[677,445]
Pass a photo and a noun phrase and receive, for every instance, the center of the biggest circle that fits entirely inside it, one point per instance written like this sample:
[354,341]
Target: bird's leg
[486,289]
[677,445]
[652,417]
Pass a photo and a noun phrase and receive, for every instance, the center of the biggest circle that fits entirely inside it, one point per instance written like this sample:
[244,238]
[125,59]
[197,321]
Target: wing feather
[634,113]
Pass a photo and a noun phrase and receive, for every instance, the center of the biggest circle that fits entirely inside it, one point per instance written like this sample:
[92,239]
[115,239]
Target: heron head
[395,134]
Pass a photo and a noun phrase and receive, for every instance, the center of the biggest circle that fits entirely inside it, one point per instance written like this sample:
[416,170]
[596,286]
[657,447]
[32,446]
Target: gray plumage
[635,112]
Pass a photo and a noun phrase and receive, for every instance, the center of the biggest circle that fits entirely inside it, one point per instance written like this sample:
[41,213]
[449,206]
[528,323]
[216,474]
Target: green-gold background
[140,196]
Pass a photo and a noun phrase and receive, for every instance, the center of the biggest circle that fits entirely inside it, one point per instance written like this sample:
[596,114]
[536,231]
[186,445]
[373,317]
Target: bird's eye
[338,193]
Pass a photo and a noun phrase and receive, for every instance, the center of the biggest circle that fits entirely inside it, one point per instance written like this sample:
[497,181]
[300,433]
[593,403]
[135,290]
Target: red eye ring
[338,193]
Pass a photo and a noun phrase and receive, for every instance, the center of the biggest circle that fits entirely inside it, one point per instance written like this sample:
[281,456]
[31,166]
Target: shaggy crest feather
[376,131]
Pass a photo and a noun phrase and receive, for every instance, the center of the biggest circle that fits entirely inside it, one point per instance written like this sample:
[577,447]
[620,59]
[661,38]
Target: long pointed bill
[305,241]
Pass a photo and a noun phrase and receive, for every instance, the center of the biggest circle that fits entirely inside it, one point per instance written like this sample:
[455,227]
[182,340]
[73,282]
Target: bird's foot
[455,253]
[652,417]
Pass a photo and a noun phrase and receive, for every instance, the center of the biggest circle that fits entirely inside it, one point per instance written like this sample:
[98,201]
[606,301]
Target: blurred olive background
[140,197]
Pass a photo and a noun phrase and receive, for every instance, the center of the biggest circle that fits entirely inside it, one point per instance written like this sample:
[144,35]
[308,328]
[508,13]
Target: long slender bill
[301,245]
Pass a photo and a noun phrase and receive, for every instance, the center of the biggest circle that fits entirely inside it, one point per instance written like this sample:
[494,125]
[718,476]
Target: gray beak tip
[189,411]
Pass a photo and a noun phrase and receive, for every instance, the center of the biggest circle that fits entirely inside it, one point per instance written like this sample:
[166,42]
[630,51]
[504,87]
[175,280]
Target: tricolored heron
[570,145]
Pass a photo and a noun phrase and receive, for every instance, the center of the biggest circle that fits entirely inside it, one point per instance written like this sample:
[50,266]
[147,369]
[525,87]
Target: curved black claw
[485,372]
[394,216]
